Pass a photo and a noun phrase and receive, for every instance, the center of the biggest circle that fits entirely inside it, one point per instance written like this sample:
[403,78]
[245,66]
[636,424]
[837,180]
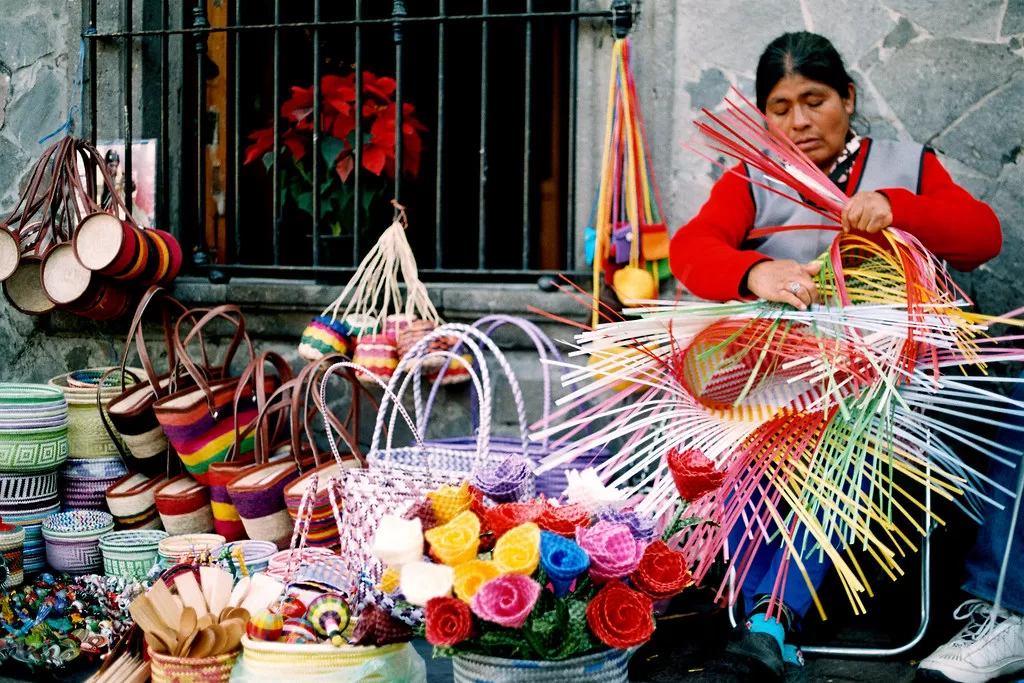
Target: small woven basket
[165,669]
[610,666]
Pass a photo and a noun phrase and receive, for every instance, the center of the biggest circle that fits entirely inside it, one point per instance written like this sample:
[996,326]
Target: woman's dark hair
[804,54]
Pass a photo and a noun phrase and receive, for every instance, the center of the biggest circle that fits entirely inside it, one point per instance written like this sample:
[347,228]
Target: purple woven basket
[84,493]
[73,540]
[552,483]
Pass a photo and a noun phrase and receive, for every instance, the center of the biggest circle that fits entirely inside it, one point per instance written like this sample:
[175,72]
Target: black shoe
[749,657]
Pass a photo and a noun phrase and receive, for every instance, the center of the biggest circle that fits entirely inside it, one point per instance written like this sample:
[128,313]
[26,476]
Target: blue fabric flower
[562,561]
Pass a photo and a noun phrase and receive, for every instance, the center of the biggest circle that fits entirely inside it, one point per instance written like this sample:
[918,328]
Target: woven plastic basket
[217,669]
[610,666]
[263,661]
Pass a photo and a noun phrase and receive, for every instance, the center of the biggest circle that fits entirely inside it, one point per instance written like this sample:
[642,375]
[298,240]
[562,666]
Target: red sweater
[705,254]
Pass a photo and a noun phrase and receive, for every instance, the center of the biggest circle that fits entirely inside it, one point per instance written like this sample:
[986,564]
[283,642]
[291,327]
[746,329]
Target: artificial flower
[562,561]
[424,511]
[449,501]
[390,578]
[424,580]
[506,481]
[469,576]
[563,519]
[448,621]
[694,473]
[642,526]
[613,551]
[621,617]
[587,489]
[377,627]
[506,600]
[662,572]
[518,551]
[506,516]
[457,541]
[398,541]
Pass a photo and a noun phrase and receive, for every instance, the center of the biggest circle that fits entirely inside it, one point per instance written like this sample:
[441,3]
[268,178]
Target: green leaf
[305,202]
[268,160]
[330,148]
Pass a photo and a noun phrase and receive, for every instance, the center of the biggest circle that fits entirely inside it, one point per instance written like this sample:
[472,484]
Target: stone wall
[946,73]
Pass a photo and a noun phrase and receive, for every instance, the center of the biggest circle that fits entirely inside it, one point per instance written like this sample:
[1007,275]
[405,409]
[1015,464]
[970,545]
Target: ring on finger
[794,287]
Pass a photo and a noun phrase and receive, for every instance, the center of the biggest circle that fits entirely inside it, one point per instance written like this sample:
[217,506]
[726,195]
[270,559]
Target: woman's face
[813,115]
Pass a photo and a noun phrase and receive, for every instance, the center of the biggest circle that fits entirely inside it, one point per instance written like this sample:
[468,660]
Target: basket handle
[303,518]
[387,393]
[411,361]
[483,426]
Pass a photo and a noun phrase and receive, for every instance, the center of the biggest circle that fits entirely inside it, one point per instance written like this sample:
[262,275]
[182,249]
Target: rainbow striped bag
[201,421]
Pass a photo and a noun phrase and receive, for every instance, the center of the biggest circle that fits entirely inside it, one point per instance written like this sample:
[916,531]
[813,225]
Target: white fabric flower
[587,489]
[422,581]
[398,541]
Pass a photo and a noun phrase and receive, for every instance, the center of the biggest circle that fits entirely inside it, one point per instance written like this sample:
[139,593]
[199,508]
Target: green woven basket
[130,554]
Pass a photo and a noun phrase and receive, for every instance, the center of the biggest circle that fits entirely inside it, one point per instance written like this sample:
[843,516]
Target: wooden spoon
[202,646]
[188,622]
[205,621]
[234,630]
[185,644]
[221,639]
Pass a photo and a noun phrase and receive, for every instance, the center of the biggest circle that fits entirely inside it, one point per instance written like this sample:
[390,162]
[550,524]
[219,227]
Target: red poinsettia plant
[337,147]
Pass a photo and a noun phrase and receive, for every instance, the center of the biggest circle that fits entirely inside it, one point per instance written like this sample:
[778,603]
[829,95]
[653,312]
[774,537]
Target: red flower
[477,507]
[299,107]
[621,617]
[449,621]
[563,519]
[502,518]
[263,142]
[694,473]
[662,572]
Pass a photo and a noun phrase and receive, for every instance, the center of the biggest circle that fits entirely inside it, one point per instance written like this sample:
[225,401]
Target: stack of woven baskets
[33,446]
[94,461]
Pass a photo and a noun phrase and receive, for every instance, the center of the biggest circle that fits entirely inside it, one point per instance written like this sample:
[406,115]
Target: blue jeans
[986,556]
[764,568]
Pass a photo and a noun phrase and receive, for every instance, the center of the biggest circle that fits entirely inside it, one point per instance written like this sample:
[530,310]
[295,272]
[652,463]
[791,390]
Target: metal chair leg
[878,652]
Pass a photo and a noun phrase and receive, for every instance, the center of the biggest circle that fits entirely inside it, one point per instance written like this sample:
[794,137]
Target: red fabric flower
[502,518]
[448,621]
[662,572]
[694,473]
[621,617]
[563,519]
[477,507]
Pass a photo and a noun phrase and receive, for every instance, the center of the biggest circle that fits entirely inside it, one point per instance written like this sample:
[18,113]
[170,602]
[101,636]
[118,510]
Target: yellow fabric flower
[450,501]
[518,551]
[457,541]
[469,576]
[389,579]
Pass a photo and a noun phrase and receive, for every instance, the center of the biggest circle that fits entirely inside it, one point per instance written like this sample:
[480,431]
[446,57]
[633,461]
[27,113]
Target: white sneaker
[984,649]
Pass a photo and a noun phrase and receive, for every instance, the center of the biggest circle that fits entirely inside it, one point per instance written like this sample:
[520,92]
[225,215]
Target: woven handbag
[132,501]
[369,494]
[200,420]
[226,518]
[184,506]
[131,411]
[323,532]
[553,482]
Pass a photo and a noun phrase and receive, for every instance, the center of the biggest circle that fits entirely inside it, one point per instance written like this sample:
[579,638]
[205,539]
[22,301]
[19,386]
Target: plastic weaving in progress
[821,431]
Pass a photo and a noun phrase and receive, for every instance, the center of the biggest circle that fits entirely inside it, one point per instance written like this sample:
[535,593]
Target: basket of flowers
[529,591]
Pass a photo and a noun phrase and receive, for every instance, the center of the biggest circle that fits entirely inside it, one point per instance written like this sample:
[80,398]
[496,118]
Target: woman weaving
[803,89]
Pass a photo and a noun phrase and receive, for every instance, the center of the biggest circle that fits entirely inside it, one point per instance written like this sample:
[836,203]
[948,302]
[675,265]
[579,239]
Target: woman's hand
[867,212]
[785,281]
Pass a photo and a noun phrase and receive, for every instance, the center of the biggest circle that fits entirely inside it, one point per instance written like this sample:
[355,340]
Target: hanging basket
[610,666]
[22,288]
[72,287]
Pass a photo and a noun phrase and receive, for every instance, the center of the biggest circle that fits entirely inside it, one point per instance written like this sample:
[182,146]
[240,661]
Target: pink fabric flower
[613,551]
[506,600]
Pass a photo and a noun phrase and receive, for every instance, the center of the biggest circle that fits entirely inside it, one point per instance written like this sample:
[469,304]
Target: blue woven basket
[609,666]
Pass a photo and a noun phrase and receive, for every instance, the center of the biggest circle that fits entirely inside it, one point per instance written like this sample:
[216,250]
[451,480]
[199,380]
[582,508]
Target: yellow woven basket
[217,669]
[299,662]
[86,435]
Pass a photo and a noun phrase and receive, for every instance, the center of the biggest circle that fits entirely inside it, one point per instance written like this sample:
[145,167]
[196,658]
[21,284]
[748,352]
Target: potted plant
[337,148]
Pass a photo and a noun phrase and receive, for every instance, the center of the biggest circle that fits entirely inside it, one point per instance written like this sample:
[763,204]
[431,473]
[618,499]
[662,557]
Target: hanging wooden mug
[72,287]
[116,248]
